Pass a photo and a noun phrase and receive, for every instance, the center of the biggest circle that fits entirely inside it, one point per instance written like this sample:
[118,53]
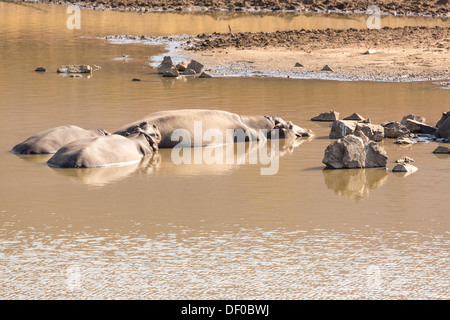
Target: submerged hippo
[194,121]
[107,151]
[49,141]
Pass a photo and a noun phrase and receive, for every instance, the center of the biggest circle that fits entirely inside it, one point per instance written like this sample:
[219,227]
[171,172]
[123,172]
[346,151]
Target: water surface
[157,230]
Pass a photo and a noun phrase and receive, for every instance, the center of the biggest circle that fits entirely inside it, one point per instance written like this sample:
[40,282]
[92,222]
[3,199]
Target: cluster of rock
[356,145]
[169,69]
[355,150]
[74,71]
[404,165]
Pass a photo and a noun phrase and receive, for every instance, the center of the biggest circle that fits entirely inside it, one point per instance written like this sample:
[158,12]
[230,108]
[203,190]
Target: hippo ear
[127,134]
[290,125]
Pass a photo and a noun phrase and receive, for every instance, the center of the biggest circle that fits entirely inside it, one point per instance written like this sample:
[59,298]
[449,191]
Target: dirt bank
[391,54]
[395,7]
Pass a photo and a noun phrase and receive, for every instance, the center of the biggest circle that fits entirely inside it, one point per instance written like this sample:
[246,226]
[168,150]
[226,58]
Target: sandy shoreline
[395,54]
[399,54]
[435,8]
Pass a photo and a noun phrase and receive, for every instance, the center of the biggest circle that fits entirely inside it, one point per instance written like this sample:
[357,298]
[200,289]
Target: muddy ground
[395,7]
[388,54]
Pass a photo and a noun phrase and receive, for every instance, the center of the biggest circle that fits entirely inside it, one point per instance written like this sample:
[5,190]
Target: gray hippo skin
[107,151]
[168,121]
[49,141]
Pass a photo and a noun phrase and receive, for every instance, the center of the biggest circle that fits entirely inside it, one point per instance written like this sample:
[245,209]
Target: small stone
[370,51]
[329,116]
[442,150]
[204,75]
[374,132]
[412,117]
[326,68]
[405,160]
[404,167]
[74,69]
[394,129]
[403,140]
[182,66]
[419,127]
[355,116]
[297,64]
[195,65]
[172,72]
[40,69]
[188,72]
[443,125]
[166,65]
[341,128]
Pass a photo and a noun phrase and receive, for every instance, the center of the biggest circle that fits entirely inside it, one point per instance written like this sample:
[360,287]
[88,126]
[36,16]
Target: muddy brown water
[157,230]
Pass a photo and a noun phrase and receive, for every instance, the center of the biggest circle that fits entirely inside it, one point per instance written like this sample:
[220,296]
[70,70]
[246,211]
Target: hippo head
[149,131]
[288,130]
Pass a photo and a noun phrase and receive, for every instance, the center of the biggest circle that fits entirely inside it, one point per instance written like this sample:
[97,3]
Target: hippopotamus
[194,121]
[49,141]
[107,151]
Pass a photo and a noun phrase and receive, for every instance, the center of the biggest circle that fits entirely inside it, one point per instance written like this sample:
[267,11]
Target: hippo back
[105,151]
[51,140]
[190,120]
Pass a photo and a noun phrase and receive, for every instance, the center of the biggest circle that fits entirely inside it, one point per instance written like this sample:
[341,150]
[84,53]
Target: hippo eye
[154,126]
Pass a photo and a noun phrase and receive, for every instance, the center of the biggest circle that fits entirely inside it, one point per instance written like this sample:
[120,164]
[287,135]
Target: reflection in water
[34,158]
[442,155]
[163,162]
[354,183]
[98,177]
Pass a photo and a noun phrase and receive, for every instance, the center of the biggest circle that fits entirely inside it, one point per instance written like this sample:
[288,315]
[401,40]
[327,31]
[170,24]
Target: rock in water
[419,127]
[40,69]
[443,130]
[326,116]
[354,151]
[172,72]
[374,132]
[74,69]
[356,117]
[442,150]
[444,117]
[404,167]
[204,75]
[195,65]
[341,128]
[405,160]
[403,140]
[166,65]
[182,66]
[188,72]
[412,117]
[394,129]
